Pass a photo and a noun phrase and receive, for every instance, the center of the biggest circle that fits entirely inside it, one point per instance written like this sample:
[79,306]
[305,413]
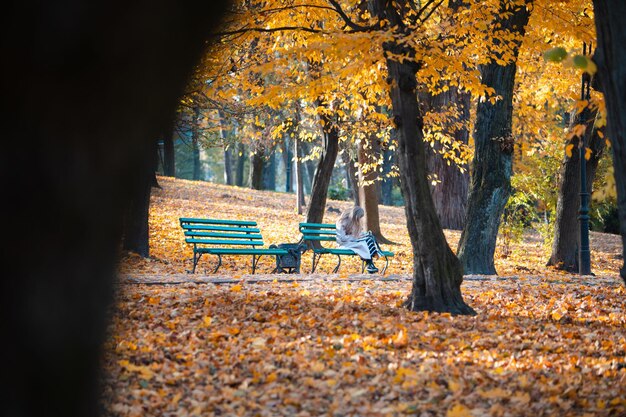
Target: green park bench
[225,237]
[315,233]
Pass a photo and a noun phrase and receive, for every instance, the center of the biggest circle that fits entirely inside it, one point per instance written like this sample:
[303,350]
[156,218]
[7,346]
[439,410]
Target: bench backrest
[221,232]
[318,232]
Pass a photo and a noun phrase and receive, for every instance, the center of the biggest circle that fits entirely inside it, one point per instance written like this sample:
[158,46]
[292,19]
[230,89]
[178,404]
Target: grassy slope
[275,213]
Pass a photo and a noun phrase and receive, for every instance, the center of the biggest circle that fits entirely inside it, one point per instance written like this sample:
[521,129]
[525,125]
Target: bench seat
[225,237]
[315,233]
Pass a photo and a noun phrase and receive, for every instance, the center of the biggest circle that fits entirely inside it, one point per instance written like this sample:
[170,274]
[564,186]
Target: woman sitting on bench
[350,235]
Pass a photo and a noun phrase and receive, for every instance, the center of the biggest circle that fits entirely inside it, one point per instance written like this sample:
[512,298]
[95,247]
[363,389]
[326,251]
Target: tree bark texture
[492,168]
[169,155]
[610,57]
[83,125]
[566,242]
[324,171]
[450,192]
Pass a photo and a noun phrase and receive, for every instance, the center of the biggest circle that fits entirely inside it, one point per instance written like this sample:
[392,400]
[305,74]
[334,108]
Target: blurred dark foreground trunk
[86,87]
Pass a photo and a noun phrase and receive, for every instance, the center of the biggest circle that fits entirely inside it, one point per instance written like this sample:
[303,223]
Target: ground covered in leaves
[543,343]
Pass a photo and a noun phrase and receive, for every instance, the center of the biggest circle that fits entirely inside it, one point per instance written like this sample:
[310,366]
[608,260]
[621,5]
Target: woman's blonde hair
[350,221]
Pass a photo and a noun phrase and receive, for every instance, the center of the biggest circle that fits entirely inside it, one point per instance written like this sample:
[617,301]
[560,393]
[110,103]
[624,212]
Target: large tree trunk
[567,230]
[610,57]
[437,273]
[169,155]
[324,171]
[82,124]
[492,165]
[368,186]
[450,192]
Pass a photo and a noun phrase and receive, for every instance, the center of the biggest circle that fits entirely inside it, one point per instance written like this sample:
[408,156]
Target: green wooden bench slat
[321,238]
[318,225]
[318,232]
[220,228]
[224,242]
[234,251]
[217,221]
[223,235]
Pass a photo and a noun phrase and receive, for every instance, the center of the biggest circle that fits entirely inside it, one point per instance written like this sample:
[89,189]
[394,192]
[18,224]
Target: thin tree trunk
[567,230]
[169,155]
[228,166]
[610,57]
[241,161]
[492,165]
[309,166]
[368,186]
[287,159]
[352,175]
[257,164]
[195,139]
[299,183]
[386,186]
[228,154]
[269,171]
[324,171]
[136,224]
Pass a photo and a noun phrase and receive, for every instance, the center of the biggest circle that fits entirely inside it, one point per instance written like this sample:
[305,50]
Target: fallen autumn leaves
[322,348]
[544,346]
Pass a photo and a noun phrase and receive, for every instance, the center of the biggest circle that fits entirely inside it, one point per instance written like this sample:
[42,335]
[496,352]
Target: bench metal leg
[338,264]
[315,263]
[196,259]
[219,263]
[255,261]
[386,265]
